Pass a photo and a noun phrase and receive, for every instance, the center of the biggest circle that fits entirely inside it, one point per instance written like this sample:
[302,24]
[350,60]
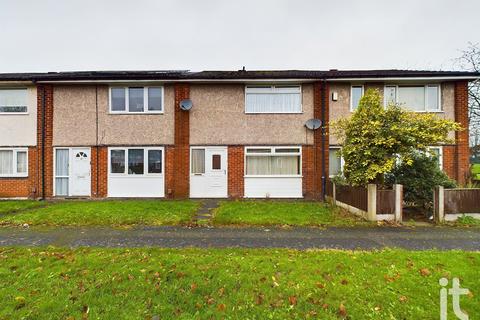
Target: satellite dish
[186,104]
[313,124]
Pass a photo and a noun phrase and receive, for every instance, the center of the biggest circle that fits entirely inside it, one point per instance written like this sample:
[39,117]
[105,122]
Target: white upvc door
[80,173]
[72,172]
[208,172]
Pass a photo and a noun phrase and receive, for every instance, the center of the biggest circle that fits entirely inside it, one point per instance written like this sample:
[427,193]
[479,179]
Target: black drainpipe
[43,141]
[323,106]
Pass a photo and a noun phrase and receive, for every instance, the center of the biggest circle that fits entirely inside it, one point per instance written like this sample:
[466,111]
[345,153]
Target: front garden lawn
[54,283]
[271,212]
[8,206]
[106,213]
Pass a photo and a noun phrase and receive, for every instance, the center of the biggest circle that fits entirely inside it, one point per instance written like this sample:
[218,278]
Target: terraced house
[179,134]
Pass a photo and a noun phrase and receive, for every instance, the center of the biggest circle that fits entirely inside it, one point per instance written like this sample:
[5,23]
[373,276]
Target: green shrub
[419,179]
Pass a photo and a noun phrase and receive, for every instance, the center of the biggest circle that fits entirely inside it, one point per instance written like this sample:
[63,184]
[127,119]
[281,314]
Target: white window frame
[145,100]
[273,153]
[439,110]
[14,173]
[145,162]
[440,154]
[274,88]
[17,113]
[55,176]
[351,95]
[342,161]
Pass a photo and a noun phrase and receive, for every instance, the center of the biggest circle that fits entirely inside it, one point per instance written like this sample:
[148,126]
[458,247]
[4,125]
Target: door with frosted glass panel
[208,172]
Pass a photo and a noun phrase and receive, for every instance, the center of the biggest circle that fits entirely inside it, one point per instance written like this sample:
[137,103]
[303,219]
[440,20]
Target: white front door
[80,172]
[208,172]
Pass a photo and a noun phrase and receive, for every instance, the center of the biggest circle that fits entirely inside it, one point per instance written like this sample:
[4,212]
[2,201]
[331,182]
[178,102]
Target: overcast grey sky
[50,35]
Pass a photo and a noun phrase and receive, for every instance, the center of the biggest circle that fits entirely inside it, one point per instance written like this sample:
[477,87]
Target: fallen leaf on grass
[342,311]
[292,300]
[20,302]
[425,272]
[193,287]
[221,307]
[403,299]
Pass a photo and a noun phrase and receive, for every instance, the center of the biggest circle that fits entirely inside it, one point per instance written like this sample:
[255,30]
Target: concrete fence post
[334,194]
[372,202]
[439,204]
[398,188]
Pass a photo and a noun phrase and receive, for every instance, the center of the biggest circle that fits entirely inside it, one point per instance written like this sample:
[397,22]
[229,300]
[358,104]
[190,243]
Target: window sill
[136,113]
[301,112]
[14,113]
[149,175]
[13,176]
[273,176]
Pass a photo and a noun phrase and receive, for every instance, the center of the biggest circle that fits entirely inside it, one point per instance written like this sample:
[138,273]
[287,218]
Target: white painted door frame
[75,178]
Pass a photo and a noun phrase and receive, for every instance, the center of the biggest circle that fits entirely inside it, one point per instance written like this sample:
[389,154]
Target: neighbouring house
[131,133]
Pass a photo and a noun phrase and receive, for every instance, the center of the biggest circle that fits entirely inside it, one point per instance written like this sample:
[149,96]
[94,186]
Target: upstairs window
[273,99]
[136,99]
[420,98]
[13,101]
[355,96]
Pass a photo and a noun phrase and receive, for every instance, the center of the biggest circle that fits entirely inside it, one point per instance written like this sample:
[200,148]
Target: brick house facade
[169,147]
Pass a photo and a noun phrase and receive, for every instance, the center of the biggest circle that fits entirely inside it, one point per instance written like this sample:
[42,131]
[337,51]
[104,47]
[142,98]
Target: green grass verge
[53,283]
[267,212]
[468,221]
[8,206]
[106,213]
[476,171]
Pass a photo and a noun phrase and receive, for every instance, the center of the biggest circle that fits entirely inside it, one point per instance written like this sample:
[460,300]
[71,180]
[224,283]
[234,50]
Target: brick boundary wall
[318,96]
[236,168]
[48,127]
[181,172]
[22,187]
[462,152]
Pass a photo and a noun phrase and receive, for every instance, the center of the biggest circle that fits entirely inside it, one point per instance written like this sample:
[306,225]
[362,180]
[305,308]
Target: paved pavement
[418,238]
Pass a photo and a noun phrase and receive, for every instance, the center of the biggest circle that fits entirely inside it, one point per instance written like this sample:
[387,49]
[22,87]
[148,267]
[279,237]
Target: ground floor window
[335,162]
[14,162]
[438,152]
[136,161]
[273,161]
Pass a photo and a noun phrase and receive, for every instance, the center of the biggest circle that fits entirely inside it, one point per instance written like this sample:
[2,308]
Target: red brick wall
[99,161]
[449,161]
[169,171]
[181,178]
[22,187]
[462,154]
[47,92]
[308,166]
[236,167]
[320,97]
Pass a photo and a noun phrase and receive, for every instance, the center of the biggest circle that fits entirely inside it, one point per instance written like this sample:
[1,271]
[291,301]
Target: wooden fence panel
[385,201]
[354,196]
[462,201]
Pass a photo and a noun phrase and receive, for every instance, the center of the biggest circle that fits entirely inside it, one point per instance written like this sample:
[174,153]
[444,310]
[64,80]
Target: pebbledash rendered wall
[66,115]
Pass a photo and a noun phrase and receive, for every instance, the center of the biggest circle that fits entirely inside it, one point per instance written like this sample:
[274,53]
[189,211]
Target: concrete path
[419,238]
[204,213]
